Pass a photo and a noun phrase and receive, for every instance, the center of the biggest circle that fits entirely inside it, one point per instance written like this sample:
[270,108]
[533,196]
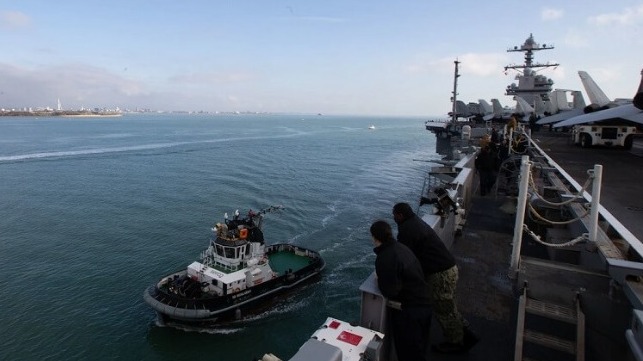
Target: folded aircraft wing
[626,112]
[563,115]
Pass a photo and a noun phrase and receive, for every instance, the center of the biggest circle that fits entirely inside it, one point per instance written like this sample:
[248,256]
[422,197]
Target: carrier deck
[486,293]
[581,302]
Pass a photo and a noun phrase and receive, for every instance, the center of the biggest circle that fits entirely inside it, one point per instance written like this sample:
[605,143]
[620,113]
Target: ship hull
[216,309]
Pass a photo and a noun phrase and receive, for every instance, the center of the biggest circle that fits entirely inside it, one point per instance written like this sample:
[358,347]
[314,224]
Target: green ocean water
[94,210]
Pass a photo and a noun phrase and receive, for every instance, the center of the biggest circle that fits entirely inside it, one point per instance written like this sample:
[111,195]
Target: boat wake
[154,146]
[333,209]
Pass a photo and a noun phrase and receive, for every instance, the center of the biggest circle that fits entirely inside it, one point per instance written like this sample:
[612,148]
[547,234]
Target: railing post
[510,141]
[525,168]
[596,200]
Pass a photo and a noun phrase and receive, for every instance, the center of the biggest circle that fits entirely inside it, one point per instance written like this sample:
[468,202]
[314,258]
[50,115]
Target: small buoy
[237,314]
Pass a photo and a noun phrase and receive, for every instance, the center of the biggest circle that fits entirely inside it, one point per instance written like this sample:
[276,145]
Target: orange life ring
[236,290]
[243,233]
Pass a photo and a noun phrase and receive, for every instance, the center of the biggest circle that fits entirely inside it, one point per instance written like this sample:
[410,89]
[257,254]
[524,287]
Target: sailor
[401,281]
[485,164]
[441,275]
[485,140]
[512,124]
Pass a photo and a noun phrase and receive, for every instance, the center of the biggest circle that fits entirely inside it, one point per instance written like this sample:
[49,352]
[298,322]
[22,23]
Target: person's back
[425,244]
[441,276]
[400,278]
[485,159]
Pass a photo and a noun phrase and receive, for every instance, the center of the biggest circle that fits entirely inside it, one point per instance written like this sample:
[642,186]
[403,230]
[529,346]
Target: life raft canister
[243,233]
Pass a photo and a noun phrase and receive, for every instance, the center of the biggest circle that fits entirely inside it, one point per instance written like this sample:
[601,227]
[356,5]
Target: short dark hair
[381,231]
[404,209]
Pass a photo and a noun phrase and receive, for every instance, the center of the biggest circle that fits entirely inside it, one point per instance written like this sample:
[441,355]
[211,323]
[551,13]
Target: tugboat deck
[283,261]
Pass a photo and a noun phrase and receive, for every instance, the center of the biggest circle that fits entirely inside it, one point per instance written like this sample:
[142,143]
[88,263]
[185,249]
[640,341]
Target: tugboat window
[229,252]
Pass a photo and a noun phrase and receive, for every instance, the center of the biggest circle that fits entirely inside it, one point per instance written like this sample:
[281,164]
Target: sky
[368,57]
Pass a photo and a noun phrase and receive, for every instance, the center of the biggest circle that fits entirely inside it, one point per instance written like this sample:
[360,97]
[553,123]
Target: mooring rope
[535,237]
[578,195]
[534,212]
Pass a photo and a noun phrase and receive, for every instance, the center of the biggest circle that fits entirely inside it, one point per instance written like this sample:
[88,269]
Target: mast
[532,87]
[529,47]
[454,116]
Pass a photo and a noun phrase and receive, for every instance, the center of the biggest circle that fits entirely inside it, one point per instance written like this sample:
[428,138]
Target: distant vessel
[236,272]
[371,127]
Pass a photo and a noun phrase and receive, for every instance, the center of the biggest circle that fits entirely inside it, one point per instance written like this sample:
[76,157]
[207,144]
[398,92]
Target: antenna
[456,75]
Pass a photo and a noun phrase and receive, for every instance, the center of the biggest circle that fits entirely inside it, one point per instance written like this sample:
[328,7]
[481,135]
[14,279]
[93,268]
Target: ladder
[553,316]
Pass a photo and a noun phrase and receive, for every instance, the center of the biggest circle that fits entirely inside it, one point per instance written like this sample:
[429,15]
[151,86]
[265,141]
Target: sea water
[94,210]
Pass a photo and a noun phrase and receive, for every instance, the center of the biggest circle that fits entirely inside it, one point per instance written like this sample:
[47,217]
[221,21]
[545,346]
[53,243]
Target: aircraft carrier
[551,263]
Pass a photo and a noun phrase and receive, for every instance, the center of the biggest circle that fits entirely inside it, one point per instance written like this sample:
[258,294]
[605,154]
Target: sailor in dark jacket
[485,164]
[441,275]
[401,281]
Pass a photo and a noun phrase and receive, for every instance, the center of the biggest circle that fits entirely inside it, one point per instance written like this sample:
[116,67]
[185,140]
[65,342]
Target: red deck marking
[334,324]
[351,338]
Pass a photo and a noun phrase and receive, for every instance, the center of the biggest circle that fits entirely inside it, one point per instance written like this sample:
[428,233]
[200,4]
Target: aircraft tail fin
[595,94]
[461,109]
[497,107]
[485,107]
[638,98]
[550,108]
[560,100]
[578,102]
[540,106]
[523,107]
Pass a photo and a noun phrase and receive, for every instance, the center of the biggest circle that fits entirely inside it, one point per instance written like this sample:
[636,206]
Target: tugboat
[236,273]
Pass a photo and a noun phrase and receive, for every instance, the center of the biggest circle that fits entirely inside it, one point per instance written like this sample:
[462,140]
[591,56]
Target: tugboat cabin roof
[230,242]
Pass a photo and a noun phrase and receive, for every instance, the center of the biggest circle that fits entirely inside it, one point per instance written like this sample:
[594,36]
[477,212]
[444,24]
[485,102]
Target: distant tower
[531,86]
[60,107]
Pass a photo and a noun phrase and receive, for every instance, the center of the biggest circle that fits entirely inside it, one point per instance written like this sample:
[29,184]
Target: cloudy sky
[377,57]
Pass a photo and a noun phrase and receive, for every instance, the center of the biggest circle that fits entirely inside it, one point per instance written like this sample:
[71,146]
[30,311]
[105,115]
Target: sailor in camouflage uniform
[441,275]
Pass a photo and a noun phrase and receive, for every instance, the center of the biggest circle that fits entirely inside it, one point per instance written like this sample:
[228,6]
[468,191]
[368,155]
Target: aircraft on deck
[623,110]
[560,107]
[598,99]
[501,112]
[522,107]
[599,103]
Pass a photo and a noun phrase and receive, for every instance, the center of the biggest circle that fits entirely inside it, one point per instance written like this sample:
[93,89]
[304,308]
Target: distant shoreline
[79,114]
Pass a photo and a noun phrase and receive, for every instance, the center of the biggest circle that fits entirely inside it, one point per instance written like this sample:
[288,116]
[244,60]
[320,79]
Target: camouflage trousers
[442,289]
